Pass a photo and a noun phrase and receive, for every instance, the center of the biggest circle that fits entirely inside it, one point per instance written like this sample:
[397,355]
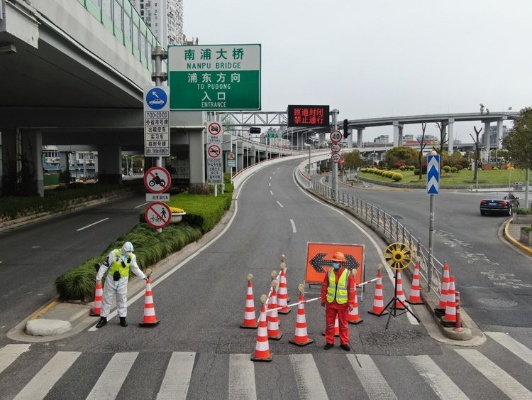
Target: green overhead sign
[214,77]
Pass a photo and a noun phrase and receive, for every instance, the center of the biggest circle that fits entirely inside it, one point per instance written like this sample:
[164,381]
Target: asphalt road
[198,350]
[494,279]
[32,257]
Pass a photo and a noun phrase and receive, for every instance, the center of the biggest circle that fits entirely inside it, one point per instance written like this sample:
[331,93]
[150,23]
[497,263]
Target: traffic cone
[440,310]
[352,316]
[282,298]
[150,319]
[400,305]
[250,320]
[378,299]
[301,337]
[262,347]
[98,296]
[273,317]
[415,289]
[449,319]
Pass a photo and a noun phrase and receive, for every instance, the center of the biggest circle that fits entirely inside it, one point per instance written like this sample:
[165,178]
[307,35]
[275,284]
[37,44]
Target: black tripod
[392,304]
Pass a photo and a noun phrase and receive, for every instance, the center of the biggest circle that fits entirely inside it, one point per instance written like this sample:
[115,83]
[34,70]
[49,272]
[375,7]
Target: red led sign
[308,116]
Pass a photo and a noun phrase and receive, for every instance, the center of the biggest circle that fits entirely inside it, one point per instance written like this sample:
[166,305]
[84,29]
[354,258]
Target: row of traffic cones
[414,298]
[149,319]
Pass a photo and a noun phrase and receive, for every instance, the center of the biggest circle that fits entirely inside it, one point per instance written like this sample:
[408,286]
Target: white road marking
[113,377]
[500,378]
[94,223]
[442,385]
[308,379]
[241,377]
[41,383]
[370,377]
[177,377]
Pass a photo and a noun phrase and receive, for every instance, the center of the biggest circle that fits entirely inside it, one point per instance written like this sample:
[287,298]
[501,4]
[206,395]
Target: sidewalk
[512,231]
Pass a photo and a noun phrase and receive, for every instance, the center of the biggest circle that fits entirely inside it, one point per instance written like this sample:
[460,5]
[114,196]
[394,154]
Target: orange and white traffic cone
[415,290]
[400,305]
[98,297]
[301,337]
[282,298]
[352,316]
[262,347]
[250,320]
[440,310]
[449,319]
[150,319]
[273,317]
[378,299]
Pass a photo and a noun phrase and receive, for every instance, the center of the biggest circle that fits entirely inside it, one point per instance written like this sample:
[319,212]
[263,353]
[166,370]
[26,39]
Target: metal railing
[390,229]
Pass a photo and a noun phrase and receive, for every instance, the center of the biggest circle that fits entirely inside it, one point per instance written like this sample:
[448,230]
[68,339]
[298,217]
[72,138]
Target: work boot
[123,321]
[328,346]
[101,322]
[346,347]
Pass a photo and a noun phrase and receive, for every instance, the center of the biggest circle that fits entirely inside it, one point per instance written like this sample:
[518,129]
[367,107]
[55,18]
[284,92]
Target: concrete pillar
[197,164]
[110,164]
[360,143]
[450,134]
[487,139]
[499,133]
[397,133]
[8,167]
[32,162]
[240,155]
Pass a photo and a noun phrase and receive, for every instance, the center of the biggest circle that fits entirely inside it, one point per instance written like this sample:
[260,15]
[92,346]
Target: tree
[352,160]
[519,140]
[422,145]
[477,150]
[443,136]
[519,144]
[401,154]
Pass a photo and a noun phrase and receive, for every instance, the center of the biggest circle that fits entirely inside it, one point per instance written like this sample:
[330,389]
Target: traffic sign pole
[433,184]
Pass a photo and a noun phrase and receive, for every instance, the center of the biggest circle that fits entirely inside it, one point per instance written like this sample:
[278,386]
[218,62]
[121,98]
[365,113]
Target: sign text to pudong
[215,77]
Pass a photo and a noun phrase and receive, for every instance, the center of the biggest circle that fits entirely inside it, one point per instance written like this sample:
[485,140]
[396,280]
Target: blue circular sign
[156,98]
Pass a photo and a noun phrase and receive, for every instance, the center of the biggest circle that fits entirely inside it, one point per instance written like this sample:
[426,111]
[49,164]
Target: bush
[446,168]
[397,177]
[524,211]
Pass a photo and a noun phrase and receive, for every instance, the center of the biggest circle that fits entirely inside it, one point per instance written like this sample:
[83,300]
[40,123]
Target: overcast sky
[380,58]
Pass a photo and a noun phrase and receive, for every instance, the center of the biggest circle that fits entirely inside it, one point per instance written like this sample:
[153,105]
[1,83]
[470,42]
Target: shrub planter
[526,236]
[177,217]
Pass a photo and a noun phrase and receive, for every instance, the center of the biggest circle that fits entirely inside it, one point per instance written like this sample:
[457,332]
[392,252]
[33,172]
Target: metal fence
[390,229]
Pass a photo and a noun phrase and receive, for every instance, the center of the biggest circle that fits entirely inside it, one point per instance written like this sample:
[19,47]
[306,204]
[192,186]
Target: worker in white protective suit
[118,262]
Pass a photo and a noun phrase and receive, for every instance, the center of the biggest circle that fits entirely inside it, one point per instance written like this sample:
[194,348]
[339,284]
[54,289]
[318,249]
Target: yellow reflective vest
[338,290]
[123,270]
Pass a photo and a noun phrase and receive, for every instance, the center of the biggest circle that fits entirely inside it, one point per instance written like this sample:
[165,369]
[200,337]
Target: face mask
[336,265]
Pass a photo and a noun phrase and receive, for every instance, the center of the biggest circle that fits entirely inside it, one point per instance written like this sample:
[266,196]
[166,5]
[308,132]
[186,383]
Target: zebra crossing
[456,373]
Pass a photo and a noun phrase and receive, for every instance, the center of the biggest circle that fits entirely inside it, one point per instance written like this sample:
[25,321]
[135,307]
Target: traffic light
[253,129]
[346,128]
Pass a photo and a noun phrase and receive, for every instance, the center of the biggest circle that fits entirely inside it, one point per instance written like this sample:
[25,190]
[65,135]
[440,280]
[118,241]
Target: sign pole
[433,188]
[335,164]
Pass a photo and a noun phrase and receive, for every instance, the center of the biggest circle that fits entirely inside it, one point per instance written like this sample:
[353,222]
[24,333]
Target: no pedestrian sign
[158,215]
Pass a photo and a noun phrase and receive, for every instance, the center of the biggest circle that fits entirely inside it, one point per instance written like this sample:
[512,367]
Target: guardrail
[387,226]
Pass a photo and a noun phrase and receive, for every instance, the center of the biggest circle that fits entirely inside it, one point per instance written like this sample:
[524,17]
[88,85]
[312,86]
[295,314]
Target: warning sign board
[319,260]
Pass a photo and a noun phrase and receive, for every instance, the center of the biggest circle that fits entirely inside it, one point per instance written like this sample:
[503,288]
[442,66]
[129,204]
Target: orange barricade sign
[319,260]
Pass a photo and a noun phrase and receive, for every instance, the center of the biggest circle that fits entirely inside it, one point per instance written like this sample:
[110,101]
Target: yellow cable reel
[398,255]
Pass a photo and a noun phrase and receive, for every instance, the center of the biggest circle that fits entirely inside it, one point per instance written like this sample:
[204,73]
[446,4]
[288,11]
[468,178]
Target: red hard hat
[338,256]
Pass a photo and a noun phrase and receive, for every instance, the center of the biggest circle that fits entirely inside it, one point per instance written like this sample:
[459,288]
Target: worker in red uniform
[338,298]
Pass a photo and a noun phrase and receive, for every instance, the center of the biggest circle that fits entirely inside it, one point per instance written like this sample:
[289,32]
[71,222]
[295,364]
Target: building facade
[164,18]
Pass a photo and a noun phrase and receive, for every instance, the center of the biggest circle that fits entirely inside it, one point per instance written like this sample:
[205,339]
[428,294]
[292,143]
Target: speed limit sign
[335,157]
[336,136]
